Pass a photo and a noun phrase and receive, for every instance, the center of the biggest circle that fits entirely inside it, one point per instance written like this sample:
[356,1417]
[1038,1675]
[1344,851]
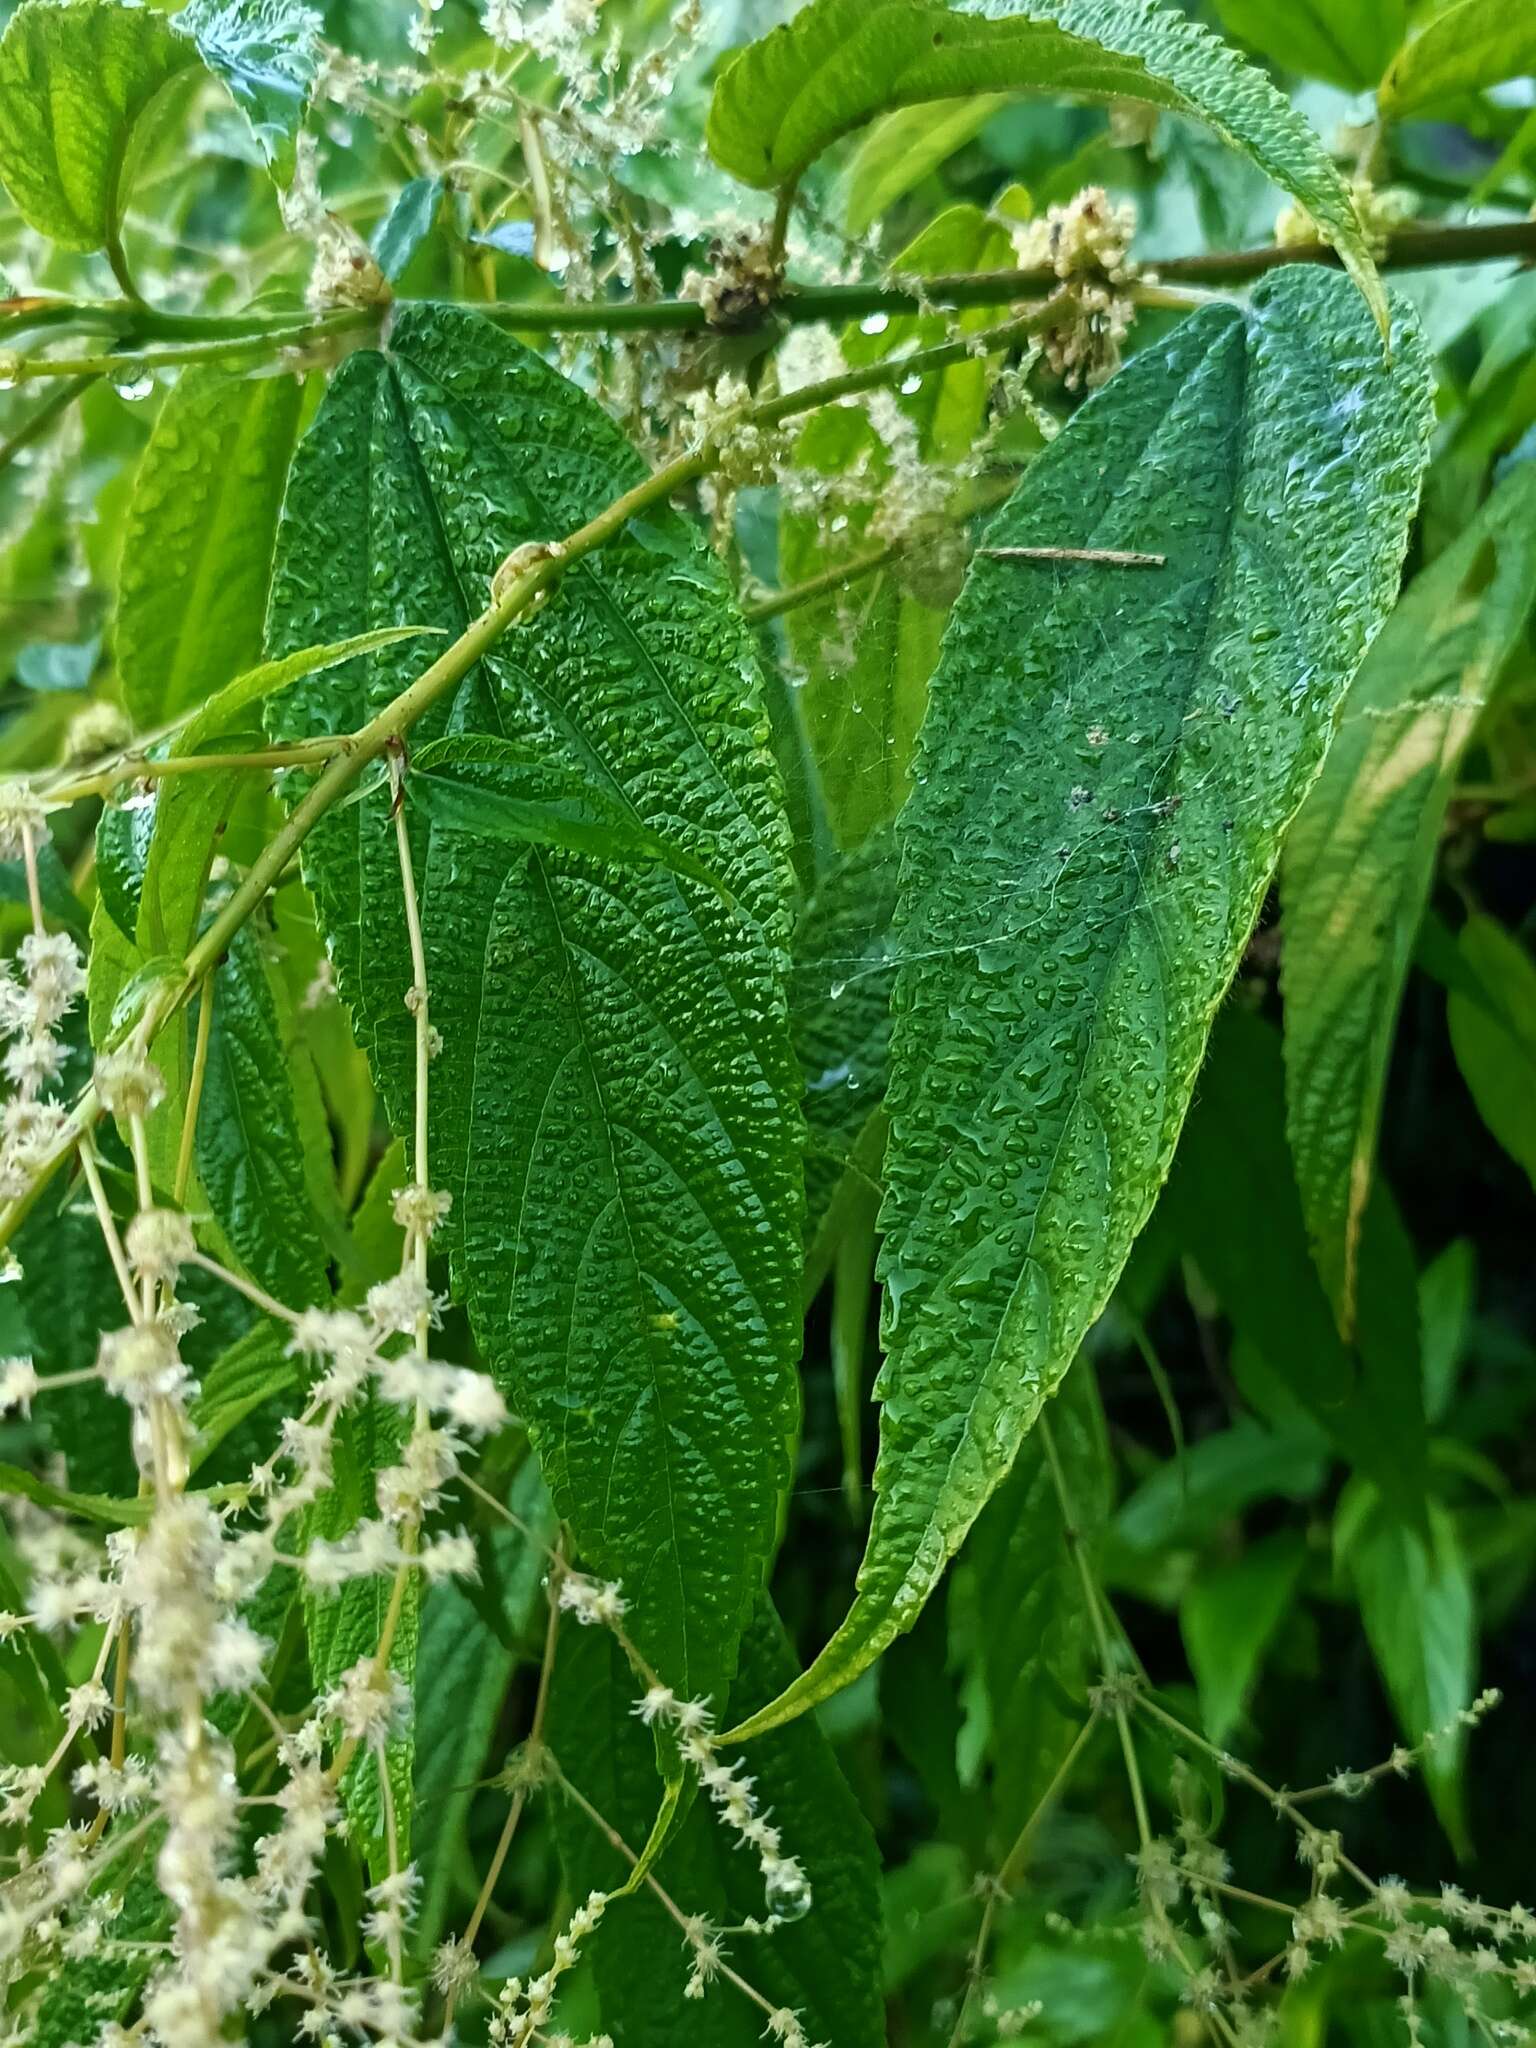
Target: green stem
[136,768]
[356,751]
[53,407]
[138,363]
[133,324]
[1416,248]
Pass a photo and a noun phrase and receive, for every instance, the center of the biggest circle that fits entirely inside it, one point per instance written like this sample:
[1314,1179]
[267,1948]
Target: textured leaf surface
[1493,1032]
[347,1626]
[73,83]
[255,1369]
[250,1155]
[1109,761]
[840,1000]
[267,53]
[197,550]
[407,224]
[838,63]
[1463,49]
[492,789]
[1360,857]
[826,1966]
[868,650]
[471,1639]
[616,1106]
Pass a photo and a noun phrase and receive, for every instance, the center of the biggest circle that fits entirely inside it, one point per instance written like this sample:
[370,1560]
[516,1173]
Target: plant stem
[1415,248]
[519,1797]
[143,362]
[513,598]
[1100,1631]
[136,768]
[53,407]
[1012,1865]
[194,1096]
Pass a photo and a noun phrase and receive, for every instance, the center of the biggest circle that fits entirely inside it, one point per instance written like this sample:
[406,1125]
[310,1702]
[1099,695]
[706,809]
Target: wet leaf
[267,52]
[407,224]
[491,789]
[1109,761]
[250,1155]
[197,550]
[615,1110]
[74,83]
[840,998]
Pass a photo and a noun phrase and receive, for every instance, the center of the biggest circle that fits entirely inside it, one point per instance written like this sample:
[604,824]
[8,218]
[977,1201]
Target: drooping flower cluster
[33,1005]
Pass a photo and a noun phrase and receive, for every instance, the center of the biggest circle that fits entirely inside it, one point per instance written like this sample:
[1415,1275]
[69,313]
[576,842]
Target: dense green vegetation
[766,815]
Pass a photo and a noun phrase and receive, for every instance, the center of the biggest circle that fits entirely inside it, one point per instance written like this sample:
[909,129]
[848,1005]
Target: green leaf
[267,52]
[1447,1296]
[250,1157]
[123,836]
[1477,44]
[1229,1618]
[868,650]
[1420,1613]
[347,1626]
[74,83]
[1109,761]
[488,787]
[1021,1594]
[254,1370]
[1188,1499]
[90,1507]
[407,224]
[826,1966]
[1348,42]
[1493,1034]
[1232,1202]
[1360,858]
[839,63]
[901,149]
[197,547]
[191,812]
[616,1062]
[840,1003]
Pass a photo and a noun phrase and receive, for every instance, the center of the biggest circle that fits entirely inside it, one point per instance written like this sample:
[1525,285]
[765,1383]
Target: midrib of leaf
[594,588]
[520,953]
[584,1041]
